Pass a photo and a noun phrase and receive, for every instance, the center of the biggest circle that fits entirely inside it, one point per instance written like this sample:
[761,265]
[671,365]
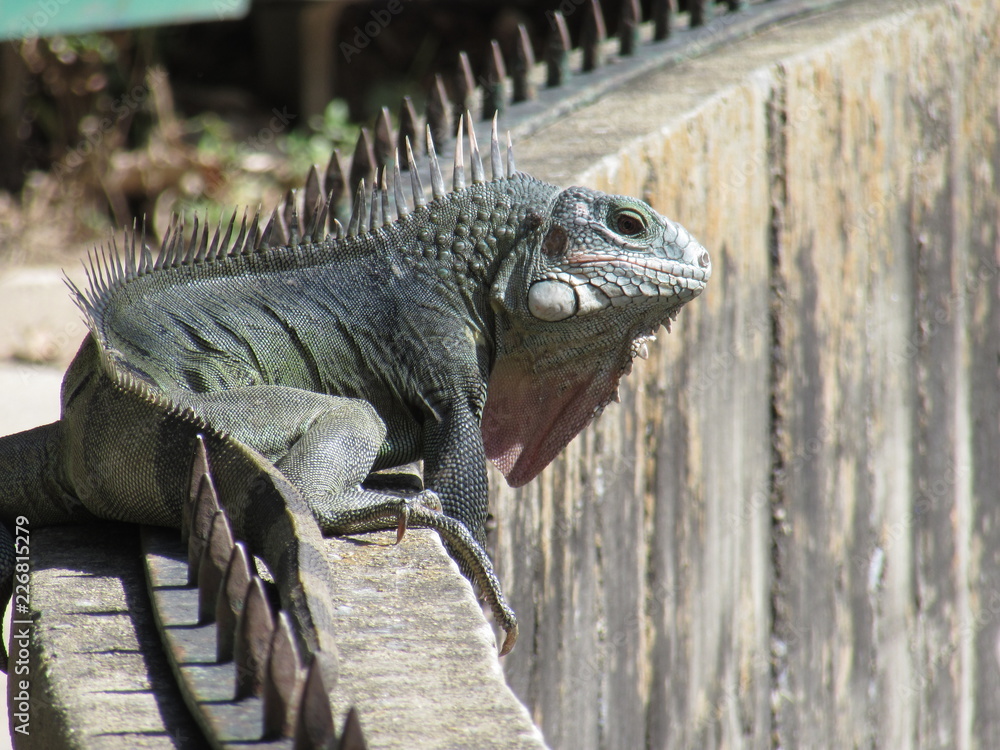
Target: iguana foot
[424,499]
[475,563]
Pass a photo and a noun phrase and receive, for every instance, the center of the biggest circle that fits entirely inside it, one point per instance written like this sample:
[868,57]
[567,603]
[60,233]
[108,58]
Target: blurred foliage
[98,120]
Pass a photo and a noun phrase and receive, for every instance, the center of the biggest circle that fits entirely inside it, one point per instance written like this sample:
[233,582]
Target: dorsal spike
[237,246]
[148,264]
[415,187]
[458,181]
[397,187]
[358,207]
[292,218]
[475,158]
[213,246]
[225,244]
[338,229]
[253,234]
[437,181]
[267,233]
[511,169]
[194,248]
[374,214]
[383,191]
[317,220]
[130,255]
[496,163]
[203,240]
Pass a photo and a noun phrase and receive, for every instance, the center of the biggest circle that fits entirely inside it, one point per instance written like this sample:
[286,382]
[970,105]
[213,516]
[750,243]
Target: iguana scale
[494,321]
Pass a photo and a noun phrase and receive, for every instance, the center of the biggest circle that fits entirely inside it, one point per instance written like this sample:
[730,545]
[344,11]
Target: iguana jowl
[494,321]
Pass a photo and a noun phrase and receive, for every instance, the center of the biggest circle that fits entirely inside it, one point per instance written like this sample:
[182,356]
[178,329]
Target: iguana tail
[31,496]
[31,480]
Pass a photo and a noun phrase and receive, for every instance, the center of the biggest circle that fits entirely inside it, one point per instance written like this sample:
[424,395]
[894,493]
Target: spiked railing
[529,95]
[235,657]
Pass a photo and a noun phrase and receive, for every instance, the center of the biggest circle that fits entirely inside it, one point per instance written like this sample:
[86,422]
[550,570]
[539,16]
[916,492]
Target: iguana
[493,321]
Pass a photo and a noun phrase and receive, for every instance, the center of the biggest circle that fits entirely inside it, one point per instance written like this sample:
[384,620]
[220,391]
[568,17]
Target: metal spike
[201,524]
[199,473]
[475,158]
[384,139]
[383,190]
[363,164]
[662,15]
[283,681]
[458,181]
[397,187]
[496,164]
[352,738]
[415,187]
[437,181]
[495,84]
[315,723]
[313,191]
[253,641]
[592,37]
[697,10]
[374,213]
[232,597]
[214,560]
[628,27]
[465,91]
[407,124]
[357,208]
[557,51]
[524,64]
[438,111]
[511,169]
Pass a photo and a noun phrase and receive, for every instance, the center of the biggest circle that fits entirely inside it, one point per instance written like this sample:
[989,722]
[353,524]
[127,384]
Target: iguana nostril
[703,260]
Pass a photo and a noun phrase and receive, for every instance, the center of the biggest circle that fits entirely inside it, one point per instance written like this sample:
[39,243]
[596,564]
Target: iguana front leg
[326,446]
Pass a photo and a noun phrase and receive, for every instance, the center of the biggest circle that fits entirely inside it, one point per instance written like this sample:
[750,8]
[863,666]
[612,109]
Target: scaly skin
[494,322]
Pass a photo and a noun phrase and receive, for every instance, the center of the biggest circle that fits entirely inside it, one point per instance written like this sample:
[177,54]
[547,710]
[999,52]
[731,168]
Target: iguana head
[601,274]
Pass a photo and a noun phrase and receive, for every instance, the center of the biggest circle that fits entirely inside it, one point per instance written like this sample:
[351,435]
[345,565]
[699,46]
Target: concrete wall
[788,534]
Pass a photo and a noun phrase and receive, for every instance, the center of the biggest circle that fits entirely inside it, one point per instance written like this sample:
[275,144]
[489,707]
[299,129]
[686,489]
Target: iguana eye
[629,223]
